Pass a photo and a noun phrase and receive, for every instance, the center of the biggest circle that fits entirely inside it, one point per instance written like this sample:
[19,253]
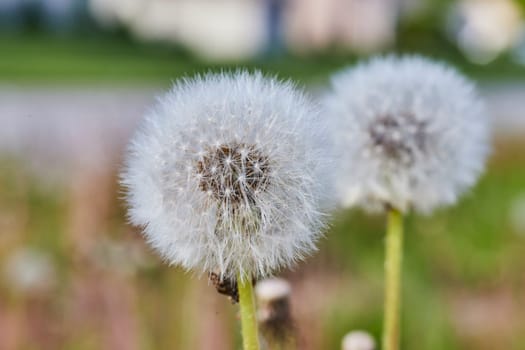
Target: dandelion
[413,134]
[358,340]
[30,270]
[228,175]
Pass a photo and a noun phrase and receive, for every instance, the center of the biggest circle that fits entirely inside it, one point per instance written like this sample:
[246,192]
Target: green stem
[394,255]
[250,338]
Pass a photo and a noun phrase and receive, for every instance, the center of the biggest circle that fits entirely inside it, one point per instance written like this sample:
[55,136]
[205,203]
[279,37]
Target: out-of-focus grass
[463,273]
[51,60]
[110,59]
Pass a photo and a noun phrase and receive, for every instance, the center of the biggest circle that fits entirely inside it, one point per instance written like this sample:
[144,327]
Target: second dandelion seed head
[413,133]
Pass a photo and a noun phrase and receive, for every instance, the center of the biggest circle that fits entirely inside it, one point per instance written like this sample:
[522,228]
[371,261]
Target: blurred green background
[76,75]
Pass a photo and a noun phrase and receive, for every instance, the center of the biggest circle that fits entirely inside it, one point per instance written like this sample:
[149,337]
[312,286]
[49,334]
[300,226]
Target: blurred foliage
[117,59]
[469,252]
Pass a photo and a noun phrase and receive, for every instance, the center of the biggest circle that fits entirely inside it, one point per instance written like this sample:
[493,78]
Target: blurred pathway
[53,128]
[56,129]
[506,103]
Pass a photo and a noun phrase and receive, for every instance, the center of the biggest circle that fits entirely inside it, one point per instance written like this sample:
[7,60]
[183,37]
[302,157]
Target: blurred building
[213,29]
[240,29]
[9,17]
[483,29]
[57,16]
[237,29]
[362,26]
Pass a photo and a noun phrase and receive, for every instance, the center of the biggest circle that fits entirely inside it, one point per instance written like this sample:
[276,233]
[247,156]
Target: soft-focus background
[75,76]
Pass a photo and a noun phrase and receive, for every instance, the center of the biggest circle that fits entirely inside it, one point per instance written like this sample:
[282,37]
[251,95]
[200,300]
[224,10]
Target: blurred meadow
[75,77]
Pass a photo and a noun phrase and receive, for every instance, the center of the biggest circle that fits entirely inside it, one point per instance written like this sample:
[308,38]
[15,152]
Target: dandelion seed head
[230,173]
[412,134]
[30,270]
[358,340]
[272,289]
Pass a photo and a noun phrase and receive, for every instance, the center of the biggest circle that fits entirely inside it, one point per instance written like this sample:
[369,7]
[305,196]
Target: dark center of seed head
[233,172]
[398,138]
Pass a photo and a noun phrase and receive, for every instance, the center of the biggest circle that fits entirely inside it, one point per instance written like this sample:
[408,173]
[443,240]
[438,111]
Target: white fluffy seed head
[30,271]
[229,173]
[272,289]
[358,340]
[411,133]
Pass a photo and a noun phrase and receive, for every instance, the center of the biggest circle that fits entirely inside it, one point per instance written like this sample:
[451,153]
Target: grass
[44,59]
[110,59]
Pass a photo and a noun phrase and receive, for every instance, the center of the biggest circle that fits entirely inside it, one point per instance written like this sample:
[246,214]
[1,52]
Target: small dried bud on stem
[275,319]
[225,286]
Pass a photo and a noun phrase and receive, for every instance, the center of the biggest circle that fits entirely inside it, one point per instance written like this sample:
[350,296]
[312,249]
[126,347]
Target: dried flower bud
[275,319]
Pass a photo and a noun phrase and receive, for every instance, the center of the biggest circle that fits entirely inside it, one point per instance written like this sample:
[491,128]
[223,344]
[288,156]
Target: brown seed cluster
[233,172]
[398,138]
[225,286]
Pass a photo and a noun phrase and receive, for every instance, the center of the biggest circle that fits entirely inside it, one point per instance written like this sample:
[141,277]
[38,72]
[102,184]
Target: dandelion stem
[394,255]
[250,337]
